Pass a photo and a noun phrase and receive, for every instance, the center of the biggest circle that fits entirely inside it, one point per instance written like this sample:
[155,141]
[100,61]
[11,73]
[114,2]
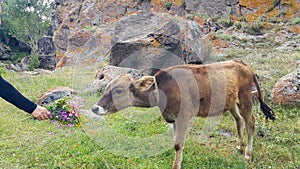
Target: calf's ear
[144,83]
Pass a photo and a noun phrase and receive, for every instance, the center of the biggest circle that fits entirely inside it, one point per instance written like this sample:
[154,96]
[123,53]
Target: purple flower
[62,113]
[71,119]
[71,114]
[53,121]
[64,117]
[52,133]
[70,125]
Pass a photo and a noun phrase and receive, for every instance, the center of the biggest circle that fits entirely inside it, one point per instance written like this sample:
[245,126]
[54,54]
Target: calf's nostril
[95,109]
[101,77]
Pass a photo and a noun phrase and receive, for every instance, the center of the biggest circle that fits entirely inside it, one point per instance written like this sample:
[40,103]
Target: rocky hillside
[93,30]
[143,34]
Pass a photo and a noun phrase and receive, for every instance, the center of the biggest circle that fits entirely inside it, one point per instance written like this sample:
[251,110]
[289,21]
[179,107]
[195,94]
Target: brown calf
[185,91]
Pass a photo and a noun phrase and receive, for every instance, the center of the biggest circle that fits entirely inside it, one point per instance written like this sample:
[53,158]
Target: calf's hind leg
[246,112]
[240,123]
[249,120]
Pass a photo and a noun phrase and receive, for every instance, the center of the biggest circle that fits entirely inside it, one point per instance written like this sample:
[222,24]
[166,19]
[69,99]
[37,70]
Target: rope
[156,92]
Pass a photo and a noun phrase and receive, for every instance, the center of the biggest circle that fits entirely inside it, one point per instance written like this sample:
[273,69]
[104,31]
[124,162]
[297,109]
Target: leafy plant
[16,57]
[91,28]
[295,21]
[168,5]
[238,25]
[256,27]
[224,37]
[27,21]
[225,22]
[34,61]
[2,71]
[65,110]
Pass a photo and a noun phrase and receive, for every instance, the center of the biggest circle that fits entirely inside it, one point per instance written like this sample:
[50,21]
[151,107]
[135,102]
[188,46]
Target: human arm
[13,96]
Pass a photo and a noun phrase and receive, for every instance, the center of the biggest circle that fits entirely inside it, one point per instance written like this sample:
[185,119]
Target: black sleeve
[13,96]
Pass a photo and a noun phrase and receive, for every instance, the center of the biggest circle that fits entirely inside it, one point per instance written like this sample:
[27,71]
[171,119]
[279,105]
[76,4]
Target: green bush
[256,27]
[2,70]
[295,21]
[168,5]
[16,57]
[34,61]
[224,37]
[238,25]
[225,22]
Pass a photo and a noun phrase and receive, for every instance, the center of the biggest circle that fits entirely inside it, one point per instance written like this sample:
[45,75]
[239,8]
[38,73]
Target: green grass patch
[295,21]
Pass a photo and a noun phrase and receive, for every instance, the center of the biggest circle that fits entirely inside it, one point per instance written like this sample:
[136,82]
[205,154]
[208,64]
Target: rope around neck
[156,92]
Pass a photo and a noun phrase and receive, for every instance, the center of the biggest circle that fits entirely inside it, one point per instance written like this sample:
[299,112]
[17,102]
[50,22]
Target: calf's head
[124,92]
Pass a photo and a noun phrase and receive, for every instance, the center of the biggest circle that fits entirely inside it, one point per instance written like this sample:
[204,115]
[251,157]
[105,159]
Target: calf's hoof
[240,149]
[248,158]
[175,165]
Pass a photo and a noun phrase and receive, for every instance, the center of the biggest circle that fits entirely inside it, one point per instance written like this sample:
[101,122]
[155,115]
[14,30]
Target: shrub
[224,37]
[256,27]
[16,57]
[168,5]
[2,70]
[238,25]
[225,22]
[34,61]
[295,21]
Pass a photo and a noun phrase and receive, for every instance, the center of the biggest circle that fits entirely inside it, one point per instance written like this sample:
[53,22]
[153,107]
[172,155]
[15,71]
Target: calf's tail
[268,112]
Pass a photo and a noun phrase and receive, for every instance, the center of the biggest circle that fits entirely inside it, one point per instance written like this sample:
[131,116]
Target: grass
[28,143]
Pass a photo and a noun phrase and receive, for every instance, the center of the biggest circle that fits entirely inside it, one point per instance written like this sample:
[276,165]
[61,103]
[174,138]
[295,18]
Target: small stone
[106,74]
[54,94]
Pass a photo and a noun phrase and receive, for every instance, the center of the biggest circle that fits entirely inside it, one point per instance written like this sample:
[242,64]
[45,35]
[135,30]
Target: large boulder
[46,52]
[287,90]
[151,40]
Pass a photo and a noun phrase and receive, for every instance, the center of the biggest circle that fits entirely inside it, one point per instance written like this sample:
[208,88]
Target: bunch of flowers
[65,111]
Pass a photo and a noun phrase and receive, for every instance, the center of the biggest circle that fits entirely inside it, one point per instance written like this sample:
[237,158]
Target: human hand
[41,113]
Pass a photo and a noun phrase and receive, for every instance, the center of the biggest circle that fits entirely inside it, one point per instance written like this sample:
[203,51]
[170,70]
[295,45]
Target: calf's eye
[118,91]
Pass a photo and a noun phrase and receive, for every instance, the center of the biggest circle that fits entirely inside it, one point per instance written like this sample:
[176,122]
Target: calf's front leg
[180,127]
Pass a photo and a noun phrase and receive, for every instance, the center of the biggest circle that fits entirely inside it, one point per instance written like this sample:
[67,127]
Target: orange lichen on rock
[59,54]
[218,43]
[155,43]
[177,2]
[270,8]
[158,5]
[200,21]
[295,28]
[258,7]
[60,57]
[294,7]
[79,38]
